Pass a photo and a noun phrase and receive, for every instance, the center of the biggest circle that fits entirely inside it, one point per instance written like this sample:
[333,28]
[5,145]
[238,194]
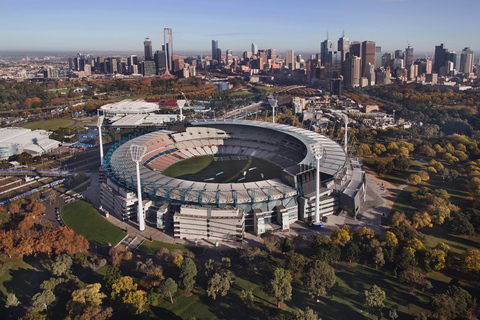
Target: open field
[458,244]
[86,221]
[223,169]
[153,247]
[49,125]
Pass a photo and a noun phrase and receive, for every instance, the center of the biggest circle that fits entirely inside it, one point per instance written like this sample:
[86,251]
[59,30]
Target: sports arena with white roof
[126,107]
[226,210]
[17,140]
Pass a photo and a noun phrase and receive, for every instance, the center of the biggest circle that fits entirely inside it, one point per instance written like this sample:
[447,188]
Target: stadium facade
[207,209]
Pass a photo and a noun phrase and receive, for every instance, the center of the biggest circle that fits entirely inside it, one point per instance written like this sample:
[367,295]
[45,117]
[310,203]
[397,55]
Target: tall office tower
[147,44]
[160,59]
[386,59]
[355,49]
[368,54]
[378,57]
[219,55]
[466,60]
[440,58]
[247,54]
[214,49]
[254,49]
[408,57]
[343,46]
[455,59]
[167,33]
[428,66]
[353,71]
[326,50]
[132,60]
[290,59]
[370,74]
[398,54]
[272,55]
[148,68]
[336,67]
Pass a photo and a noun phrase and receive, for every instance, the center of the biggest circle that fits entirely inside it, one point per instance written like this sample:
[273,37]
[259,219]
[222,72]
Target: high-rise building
[290,59]
[378,57]
[466,60]
[132,60]
[168,39]
[408,57]
[455,59]
[214,49]
[160,59]
[355,49]
[343,46]
[398,54]
[326,49]
[440,58]
[368,54]
[353,71]
[254,49]
[147,45]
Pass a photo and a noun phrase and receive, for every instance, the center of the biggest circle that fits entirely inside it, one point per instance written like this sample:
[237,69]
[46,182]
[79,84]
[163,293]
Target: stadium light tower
[137,153]
[99,125]
[181,104]
[273,104]
[317,150]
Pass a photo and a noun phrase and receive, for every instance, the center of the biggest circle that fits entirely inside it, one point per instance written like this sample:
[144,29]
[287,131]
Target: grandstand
[227,210]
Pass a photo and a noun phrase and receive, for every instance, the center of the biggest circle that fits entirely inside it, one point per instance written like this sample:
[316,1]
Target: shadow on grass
[25,283]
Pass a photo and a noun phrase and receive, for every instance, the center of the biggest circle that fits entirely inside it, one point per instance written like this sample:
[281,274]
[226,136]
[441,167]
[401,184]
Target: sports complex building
[218,179]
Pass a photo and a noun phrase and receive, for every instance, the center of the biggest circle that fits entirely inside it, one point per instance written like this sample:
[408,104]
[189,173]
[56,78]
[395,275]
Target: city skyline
[392,24]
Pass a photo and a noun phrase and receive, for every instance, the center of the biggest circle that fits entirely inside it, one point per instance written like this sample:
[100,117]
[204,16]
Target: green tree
[42,300]
[287,246]
[374,298]
[281,285]
[219,284]
[62,265]
[12,301]
[295,262]
[470,261]
[209,267]
[319,278]
[247,297]
[443,307]
[188,272]
[169,287]
[308,314]
[112,274]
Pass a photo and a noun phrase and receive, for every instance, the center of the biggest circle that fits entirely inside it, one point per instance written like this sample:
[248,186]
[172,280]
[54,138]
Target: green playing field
[224,169]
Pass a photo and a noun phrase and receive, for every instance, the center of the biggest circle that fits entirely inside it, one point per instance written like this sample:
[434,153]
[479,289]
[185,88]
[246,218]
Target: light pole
[99,125]
[345,119]
[273,104]
[317,150]
[181,104]
[137,153]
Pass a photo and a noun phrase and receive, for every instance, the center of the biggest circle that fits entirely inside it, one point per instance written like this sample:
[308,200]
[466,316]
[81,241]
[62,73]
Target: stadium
[218,179]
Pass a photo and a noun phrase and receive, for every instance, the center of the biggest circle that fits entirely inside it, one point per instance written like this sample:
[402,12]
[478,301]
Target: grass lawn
[85,220]
[241,94]
[403,202]
[23,278]
[52,124]
[153,247]
[457,244]
[188,166]
[396,178]
[83,123]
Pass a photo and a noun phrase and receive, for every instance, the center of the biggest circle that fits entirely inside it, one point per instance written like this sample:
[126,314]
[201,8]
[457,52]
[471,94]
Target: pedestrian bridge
[37,173]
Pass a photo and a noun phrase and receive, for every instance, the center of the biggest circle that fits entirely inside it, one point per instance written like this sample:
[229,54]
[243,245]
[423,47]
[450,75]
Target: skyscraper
[254,49]
[368,54]
[356,49]
[440,58]
[167,33]
[408,57]
[378,57]
[326,49]
[343,46]
[290,59]
[466,60]
[353,71]
[214,49]
[148,49]
[455,59]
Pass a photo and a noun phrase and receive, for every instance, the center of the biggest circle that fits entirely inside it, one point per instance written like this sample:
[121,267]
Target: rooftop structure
[125,107]
[17,140]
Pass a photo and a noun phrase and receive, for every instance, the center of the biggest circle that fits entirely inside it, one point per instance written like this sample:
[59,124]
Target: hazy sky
[105,25]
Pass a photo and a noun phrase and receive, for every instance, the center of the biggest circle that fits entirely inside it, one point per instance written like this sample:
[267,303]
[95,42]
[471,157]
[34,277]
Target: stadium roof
[129,106]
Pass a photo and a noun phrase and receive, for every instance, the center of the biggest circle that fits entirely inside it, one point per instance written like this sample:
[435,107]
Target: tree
[374,298]
[80,177]
[437,259]
[340,235]
[470,261]
[152,272]
[134,300]
[295,262]
[178,260]
[378,148]
[121,286]
[188,272]
[364,150]
[414,179]
[42,300]
[247,297]
[319,278]
[308,314]
[271,242]
[209,267]
[421,220]
[85,298]
[281,285]
[219,284]
[351,252]
[287,246]
[62,265]
[443,307]
[25,158]
[169,287]
[12,301]
[365,234]
[112,274]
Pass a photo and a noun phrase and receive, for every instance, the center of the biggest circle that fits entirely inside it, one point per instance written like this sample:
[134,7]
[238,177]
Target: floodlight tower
[181,104]
[99,125]
[137,153]
[345,119]
[273,104]
[317,150]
